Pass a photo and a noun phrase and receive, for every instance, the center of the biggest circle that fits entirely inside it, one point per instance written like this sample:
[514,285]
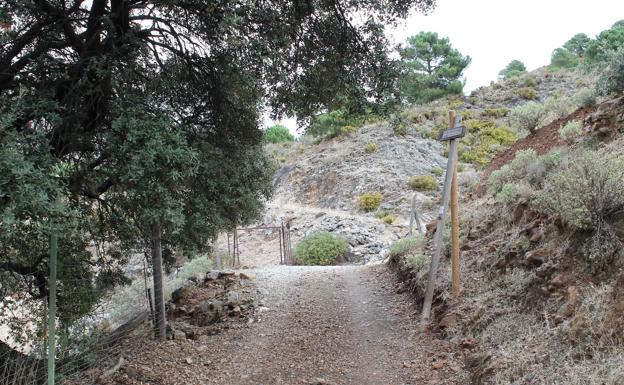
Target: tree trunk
[159,298]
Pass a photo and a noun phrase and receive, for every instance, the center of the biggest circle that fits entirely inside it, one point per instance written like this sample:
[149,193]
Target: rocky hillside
[333,174]
[319,182]
[543,290]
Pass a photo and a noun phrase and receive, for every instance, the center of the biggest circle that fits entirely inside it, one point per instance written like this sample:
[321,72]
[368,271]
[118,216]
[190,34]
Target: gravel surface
[316,325]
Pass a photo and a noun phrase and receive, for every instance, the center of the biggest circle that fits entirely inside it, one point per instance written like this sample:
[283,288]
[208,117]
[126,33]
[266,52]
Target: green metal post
[52,307]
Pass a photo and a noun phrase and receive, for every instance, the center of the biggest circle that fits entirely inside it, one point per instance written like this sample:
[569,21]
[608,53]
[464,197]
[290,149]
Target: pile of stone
[205,306]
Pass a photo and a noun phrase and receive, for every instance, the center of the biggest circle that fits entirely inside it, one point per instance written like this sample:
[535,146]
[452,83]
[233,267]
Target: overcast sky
[494,32]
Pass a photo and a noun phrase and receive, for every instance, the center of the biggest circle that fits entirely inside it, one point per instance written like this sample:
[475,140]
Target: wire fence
[92,324]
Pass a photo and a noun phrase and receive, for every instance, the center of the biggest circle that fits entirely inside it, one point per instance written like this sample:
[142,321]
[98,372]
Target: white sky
[494,32]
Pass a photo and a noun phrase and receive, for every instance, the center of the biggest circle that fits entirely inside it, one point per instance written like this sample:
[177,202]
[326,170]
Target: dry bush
[586,194]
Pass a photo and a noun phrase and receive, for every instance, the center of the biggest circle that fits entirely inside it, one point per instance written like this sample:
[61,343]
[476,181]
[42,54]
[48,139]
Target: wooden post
[52,307]
[282,244]
[235,247]
[435,258]
[455,261]
[159,296]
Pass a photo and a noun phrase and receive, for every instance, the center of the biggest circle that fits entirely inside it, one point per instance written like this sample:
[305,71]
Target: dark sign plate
[453,133]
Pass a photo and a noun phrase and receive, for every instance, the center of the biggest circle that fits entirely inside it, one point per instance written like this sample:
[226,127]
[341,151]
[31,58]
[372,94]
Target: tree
[278,134]
[430,68]
[578,44]
[611,81]
[120,114]
[563,58]
[606,44]
[513,69]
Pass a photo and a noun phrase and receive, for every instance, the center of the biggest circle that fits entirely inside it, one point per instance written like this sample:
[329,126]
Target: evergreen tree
[431,68]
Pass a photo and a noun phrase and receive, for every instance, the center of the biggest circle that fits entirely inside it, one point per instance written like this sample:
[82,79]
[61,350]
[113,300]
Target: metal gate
[285,244]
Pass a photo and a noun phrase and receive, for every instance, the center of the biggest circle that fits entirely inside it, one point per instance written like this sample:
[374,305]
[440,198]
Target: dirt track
[319,325]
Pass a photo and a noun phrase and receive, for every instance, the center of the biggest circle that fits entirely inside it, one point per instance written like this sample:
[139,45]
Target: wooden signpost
[449,192]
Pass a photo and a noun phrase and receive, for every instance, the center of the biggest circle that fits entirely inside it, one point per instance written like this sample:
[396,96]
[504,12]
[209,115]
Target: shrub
[406,246]
[278,134]
[522,159]
[511,172]
[414,116]
[349,129]
[334,123]
[529,81]
[369,148]
[513,69]
[437,171]
[370,201]
[389,219]
[496,112]
[321,248]
[587,191]
[399,125]
[508,194]
[484,139]
[611,82]
[528,116]
[586,194]
[527,93]
[557,107]
[571,130]
[381,214]
[423,183]
[416,261]
[563,58]
[585,97]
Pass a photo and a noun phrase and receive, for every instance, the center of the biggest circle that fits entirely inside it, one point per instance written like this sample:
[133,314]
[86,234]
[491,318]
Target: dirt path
[319,325]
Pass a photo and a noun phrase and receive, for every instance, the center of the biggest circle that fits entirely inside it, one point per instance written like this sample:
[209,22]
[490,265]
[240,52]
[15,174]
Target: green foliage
[430,68]
[514,68]
[369,148]
[578,44]
[389,219]
[526,173]
[484,140]
[437,171]
[511,172]
[411,251]
[321,248]
[399,125]
[611,81]
[606,44]
[381,214]
[527,93]
[585,97]
[558,107]
[508,194]
[423,183]
[586,192]
[406,246]
[117,114]
[278,134]
[528,116]
[332,124]
[496,112]
[571,130]
[369,201]
[416,261]
[563,58]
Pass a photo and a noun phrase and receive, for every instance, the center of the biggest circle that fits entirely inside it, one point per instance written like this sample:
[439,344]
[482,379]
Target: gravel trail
[335,325]
[323,325]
